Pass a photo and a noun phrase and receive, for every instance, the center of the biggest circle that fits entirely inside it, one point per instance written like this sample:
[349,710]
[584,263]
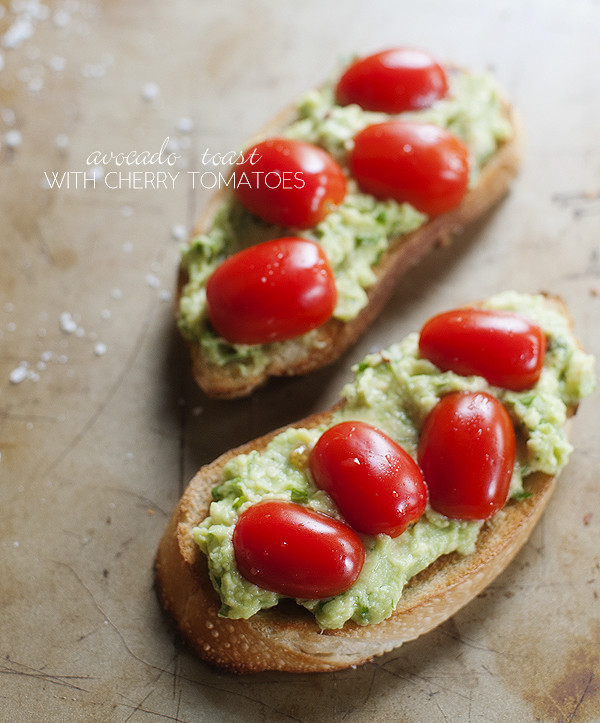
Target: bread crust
[287,637]
[332,339]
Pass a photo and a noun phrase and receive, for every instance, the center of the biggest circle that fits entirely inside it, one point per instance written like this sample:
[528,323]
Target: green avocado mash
[395,390]
[357,232]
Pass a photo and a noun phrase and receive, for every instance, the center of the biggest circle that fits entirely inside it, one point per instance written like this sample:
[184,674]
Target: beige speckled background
[97,442]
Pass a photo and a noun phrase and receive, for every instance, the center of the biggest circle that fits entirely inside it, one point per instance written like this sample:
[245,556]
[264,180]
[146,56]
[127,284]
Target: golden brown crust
[286,637]
[295,357]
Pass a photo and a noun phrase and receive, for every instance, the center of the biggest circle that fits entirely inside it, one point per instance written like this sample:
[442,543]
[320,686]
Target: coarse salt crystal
[18,374]
[150,91]
[105,314]
[61,18]
[153,281]
[185,125]
[67,323]
[116,293]
[20,31]
[57,63]
[13,138]
[178,232]
[100,349]
[61,142]
[164,295]
[97,172]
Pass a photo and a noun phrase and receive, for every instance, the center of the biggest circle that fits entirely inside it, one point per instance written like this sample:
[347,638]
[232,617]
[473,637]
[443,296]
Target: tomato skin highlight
[505,348]
[418,163]
[295,551]
[393,81]
[376,485]
[467,453]
[272,291]
[290,183]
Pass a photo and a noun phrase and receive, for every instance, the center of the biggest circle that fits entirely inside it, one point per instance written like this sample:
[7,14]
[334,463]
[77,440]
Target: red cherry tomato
[272,291]
[295,551]
[376,485]
[505,348]
[467,452]
[393,81]
[289,183]
[415,162]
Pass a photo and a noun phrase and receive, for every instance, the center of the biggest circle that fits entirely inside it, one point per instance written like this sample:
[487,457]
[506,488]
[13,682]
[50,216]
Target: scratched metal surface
[100,436]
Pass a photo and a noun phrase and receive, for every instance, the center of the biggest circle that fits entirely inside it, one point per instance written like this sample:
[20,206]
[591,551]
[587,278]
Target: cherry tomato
[289,183]
[393,81]
[376,484]
[415,162]
[295,551]
[272,291]
[505,348]
[467,452]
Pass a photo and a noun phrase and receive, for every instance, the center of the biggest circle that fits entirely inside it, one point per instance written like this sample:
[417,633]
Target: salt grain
[105,314]
[11,326]
[57,63]
[13,138]
[185,125]
[61,142]
[150,91]
[178,232]
[164,295]
[100,349]
[126,211]
[116,293]
[67,323]
[152,281]
[127,247]
[97,172]
[18,375]
[155,267]
[61,18]
[20,31]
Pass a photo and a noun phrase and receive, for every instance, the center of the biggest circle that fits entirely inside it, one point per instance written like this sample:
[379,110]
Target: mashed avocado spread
[395,390]
[357,232]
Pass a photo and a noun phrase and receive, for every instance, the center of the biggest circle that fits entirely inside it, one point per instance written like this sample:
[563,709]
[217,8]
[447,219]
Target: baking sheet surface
[105,427]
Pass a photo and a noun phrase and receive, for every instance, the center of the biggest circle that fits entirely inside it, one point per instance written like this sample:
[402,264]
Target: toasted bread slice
[296,356]
[287,637]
